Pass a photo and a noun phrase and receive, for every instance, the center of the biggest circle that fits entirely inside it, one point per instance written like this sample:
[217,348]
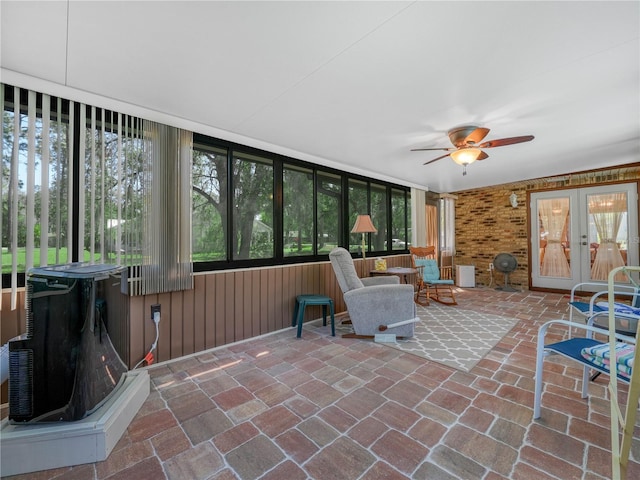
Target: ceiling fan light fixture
[465,156]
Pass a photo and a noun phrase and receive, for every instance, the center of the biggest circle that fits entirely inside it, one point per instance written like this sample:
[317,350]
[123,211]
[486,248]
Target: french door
[580,235]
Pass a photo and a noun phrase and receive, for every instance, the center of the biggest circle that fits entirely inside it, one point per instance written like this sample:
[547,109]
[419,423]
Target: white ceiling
[356,85]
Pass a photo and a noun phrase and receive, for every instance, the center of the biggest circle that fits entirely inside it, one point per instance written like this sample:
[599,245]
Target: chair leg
[437,296]
[294,320]
[333,319]
[300,318]
[422,287]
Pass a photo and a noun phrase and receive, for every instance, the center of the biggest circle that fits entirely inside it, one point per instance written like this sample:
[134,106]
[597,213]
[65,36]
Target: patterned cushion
[619,308]
[600,355]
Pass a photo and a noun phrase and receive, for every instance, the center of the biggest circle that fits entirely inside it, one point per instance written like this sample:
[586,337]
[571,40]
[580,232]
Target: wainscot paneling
[229,306]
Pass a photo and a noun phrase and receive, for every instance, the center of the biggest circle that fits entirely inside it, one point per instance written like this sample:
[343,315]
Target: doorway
[580,235]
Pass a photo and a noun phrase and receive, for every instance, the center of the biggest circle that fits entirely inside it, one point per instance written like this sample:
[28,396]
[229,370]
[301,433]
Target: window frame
[279,163]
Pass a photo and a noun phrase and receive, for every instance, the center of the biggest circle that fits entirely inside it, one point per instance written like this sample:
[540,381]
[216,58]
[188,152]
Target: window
[399,238]
[82,183]
[209,203]
[35,220]
[297,208]
[329,211]
[252,207]
[358,205]
[110,188]
[379,216]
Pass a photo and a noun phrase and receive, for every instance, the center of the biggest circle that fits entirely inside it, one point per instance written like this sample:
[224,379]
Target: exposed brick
[319,393]
[297,445]
[288,470]
[337,418]
[477,419]
[149,469]
[318,431]
[360,402]
[124,458]
[232,398]
[449,400]
[507,432]
[341,459]
[407,393]
[206,425]
[550,464]
[275,394]
[590,433]
[486,451]
[199,462]
[383,471]
[400,451]
[149,425]
[230,439]
[276,420]
[253,458]
[427,431]
[455,462]
[368,431]
[254,379]
[170,443]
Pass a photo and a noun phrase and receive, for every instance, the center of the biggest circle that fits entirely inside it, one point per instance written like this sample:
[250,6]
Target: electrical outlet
[154,309]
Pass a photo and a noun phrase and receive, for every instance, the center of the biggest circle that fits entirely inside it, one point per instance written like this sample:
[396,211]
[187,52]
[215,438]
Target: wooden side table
[401,272]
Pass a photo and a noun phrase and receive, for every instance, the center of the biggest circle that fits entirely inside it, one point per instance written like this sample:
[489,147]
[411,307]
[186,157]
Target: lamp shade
[363,225]
[465,156]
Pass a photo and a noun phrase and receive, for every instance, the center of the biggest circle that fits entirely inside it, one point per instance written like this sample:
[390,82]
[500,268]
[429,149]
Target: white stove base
[30,448]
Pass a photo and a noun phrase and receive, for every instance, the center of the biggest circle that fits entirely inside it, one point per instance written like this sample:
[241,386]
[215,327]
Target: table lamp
[363,225]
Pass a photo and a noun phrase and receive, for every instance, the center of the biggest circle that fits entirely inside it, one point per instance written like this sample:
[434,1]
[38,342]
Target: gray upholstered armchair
[375,301]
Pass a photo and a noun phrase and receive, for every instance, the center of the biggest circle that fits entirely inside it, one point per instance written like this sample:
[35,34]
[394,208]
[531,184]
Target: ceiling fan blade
[436,159]
[425,149]
[505,141]
[476,136]
[482,156]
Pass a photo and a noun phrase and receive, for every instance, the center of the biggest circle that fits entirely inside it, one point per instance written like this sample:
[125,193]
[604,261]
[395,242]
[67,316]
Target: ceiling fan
[467,148]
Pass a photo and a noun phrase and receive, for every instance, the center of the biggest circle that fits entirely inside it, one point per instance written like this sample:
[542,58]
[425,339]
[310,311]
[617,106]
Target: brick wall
[487,224]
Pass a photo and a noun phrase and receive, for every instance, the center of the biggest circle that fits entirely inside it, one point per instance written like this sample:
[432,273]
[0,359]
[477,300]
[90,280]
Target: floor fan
[505,263]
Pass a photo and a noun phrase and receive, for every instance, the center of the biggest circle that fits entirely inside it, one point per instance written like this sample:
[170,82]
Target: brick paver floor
[324,408]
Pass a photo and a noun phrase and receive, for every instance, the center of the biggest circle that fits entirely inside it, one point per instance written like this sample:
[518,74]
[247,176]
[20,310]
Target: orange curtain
[432,225]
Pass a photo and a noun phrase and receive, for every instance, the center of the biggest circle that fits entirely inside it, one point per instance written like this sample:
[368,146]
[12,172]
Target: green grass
[7,258]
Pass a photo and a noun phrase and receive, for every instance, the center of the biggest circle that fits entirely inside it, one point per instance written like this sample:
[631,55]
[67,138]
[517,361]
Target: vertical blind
[35,139]
[130,191]
[166,266]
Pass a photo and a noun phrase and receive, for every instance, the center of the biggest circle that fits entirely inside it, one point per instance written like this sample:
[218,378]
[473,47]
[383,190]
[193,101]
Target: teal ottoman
[301,303]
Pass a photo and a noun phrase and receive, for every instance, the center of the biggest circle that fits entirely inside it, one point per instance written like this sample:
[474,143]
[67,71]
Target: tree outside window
[297,218]
[252,207]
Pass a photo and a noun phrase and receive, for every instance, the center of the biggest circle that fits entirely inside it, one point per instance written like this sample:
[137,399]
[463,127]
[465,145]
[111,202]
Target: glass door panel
[555,250]
[553,217]
[607,235]
[580,235]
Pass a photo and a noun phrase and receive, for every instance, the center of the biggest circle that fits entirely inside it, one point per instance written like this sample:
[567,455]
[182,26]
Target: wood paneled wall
[230,306]
[223,307]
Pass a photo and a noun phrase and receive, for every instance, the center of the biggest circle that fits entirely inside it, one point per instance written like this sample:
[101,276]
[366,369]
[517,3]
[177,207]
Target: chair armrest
[383,295]
[377,305]
[619,289]
[589,331]
[380,280]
